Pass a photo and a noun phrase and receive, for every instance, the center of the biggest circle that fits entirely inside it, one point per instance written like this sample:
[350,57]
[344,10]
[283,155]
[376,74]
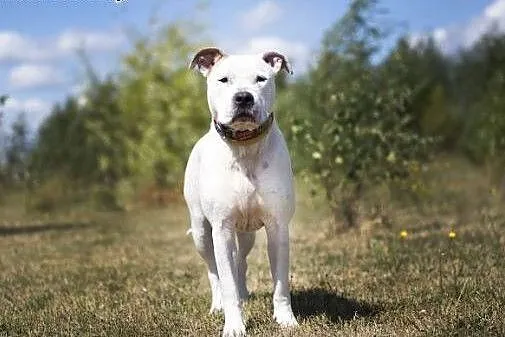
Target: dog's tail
[189,231]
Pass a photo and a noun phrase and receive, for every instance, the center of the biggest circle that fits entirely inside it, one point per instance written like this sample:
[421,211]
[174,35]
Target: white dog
[239,179]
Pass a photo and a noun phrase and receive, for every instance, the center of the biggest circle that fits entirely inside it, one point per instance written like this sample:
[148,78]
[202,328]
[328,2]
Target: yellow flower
[452,234]
[403,234]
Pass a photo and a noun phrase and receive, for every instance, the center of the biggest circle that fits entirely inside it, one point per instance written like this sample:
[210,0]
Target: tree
[60,148]
[3,100]
[427,72]
[481,86]
[351,118]
[164,105]
[16,154]
[135,128]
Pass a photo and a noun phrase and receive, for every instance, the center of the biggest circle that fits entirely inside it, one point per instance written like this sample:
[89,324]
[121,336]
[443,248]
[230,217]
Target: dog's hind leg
[202,237]
[245,244]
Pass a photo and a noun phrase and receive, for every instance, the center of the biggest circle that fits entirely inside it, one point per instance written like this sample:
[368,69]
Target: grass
[137,274]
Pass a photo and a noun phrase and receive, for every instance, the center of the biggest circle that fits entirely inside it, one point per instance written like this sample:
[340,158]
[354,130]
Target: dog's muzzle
[244,137]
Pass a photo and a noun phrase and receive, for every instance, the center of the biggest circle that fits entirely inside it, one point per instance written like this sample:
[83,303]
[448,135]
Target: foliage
[481,82]
[17,151]
[427,72]
[164,105]
[132,129]
[61,148]
[357,131]
[3,100]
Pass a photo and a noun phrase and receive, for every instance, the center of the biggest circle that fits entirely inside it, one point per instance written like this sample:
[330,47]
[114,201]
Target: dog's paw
[285,318]
[215,307]
[234,328]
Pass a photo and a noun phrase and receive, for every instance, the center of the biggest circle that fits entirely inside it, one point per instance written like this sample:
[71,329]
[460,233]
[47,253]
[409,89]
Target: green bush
[350,116]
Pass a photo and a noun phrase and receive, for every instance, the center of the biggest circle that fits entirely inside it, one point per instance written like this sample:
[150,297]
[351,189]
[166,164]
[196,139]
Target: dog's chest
[248,208]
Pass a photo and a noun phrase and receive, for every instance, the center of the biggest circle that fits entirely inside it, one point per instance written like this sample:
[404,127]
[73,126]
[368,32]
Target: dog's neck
[248,151]
[247,157]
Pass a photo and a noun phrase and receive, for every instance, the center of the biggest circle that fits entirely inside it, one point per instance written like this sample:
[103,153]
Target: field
[137,274]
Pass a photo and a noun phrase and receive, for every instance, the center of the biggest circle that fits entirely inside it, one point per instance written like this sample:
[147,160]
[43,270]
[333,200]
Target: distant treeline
[349,121]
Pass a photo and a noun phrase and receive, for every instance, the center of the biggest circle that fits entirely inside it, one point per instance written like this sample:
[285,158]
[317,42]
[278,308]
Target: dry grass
[137,274]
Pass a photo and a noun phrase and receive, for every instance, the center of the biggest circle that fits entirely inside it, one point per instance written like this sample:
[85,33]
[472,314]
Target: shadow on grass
[32,229]
[336,307]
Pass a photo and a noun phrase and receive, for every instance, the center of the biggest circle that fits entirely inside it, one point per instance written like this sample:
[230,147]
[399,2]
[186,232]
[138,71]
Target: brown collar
[244,137]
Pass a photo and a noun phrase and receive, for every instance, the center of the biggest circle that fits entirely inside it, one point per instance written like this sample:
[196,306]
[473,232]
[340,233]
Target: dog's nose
[243,99]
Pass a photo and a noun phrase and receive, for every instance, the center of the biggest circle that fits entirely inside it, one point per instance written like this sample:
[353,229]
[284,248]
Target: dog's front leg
[278,253]
[225,250]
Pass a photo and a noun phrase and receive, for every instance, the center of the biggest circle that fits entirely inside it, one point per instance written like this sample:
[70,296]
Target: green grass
[137,274]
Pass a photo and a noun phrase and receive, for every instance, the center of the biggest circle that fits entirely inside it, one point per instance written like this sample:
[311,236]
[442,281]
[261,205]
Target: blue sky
[38,39]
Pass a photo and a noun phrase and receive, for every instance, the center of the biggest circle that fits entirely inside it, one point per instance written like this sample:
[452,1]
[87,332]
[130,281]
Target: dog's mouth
[243,128]
[243,117]
[243,121]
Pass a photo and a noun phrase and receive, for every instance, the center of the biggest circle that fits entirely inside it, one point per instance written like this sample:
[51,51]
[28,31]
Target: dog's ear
[277,61]
[205,60]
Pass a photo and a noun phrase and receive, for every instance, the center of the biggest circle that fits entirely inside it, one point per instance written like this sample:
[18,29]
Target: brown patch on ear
[273,58]
[205,59]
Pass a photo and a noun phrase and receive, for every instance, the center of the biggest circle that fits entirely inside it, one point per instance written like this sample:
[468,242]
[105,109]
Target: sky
[39,65]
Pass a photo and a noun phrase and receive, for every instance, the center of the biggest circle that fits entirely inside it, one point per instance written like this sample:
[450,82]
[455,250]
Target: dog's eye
[223,80]
[260,79]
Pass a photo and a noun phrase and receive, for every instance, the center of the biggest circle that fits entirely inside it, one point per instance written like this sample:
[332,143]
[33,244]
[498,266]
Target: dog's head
[240,88]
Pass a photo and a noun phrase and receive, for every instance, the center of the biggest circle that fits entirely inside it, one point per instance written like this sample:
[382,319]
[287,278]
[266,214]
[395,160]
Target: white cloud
[14,46]
[10,42]
[35,111]
[17,47]
[297,53]
[33,75]
[30,105]
[493,17]
[90,41]
[495,10]
[463,36]
[263,14]
[440,35]
[417,38]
